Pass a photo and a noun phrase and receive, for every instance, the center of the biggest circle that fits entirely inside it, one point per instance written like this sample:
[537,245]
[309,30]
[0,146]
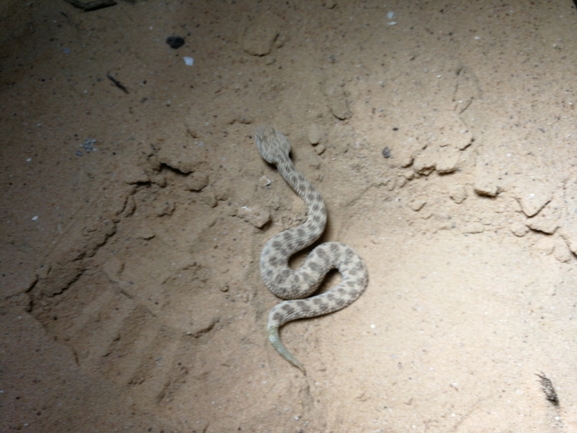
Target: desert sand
[134,207]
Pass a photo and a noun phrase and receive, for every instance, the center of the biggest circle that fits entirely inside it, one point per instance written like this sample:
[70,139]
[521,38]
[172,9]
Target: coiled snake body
[294,285]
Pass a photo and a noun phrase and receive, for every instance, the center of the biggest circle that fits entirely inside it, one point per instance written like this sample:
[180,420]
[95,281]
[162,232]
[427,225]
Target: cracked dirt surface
[442,138]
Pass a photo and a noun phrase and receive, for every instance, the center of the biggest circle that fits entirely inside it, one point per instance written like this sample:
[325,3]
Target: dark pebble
[175,41]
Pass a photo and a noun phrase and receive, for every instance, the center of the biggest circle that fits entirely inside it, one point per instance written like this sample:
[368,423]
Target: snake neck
[316,209]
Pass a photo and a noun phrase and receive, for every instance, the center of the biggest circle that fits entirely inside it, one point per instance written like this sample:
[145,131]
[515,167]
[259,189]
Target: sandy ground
[442,136]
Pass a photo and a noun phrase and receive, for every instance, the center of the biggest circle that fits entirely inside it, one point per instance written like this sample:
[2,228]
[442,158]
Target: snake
[295,286]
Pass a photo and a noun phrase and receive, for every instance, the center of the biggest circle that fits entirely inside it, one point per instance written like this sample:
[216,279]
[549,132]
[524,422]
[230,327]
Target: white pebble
[35,217]
[188,61]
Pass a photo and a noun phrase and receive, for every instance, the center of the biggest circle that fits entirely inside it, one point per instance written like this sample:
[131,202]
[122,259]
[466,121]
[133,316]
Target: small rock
[447,160]
[209,198]
[337,100]
[417,204]
[255,216]
[314,134]
[408,174]
[426,161]
[196,181]
[175,42]
[486,181]
[403,151]
[59,277]
[519,229]
[202,324]
[487,187]
[177,158]
[562,251]
[145,233]
[458,193]
[164,207]
[264,182]
[260,36]
[319,149]
[404,157]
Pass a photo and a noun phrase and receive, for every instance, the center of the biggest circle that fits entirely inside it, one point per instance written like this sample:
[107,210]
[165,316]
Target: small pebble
[175,42]
[417,204]
[88,145]
[314,134]
[386,152]
[196,182]
[256,216]
[458,193]
[319,148]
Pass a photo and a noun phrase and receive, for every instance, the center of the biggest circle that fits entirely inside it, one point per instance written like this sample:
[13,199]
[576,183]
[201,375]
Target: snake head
[272,145]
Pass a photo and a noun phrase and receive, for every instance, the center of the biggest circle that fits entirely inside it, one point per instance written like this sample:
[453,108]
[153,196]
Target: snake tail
[274,338]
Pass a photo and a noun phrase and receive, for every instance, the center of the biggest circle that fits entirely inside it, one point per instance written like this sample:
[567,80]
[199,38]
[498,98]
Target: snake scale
[295,285]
